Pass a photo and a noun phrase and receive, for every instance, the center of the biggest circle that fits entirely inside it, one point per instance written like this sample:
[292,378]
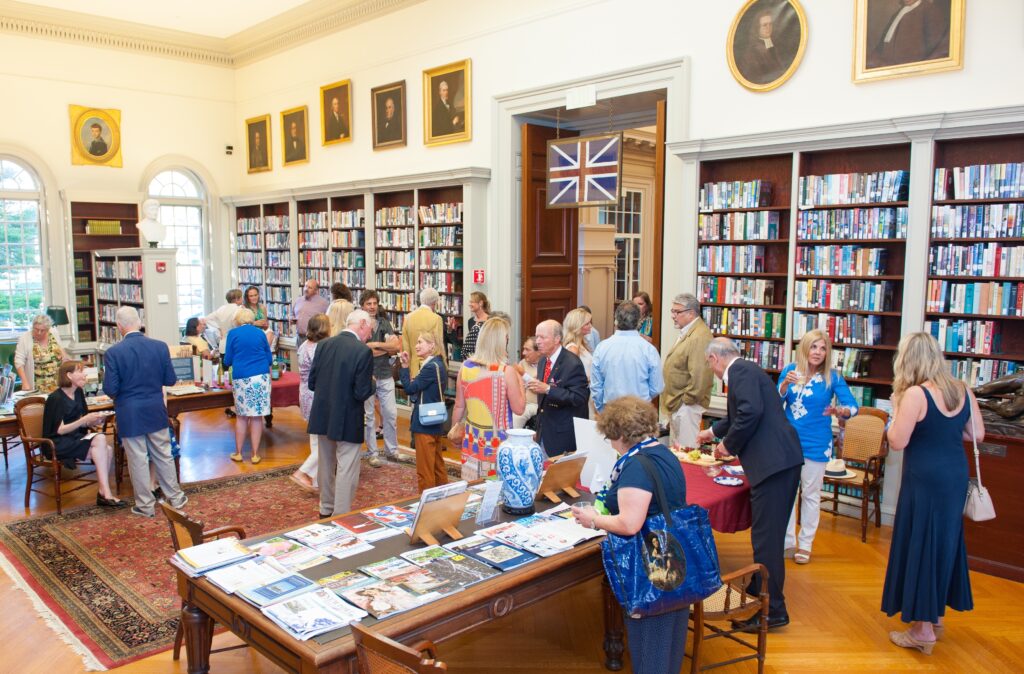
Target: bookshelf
[975,286]
[348,243]
[143,278]
[394,239]
[313,234]
[851,231]
[96,226]
[743,231]
[439,247]
[263,258]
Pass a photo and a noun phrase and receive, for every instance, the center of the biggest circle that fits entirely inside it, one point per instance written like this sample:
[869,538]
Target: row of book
[351,238]
[82,283]
[108,334]
[353,278]
[852,362]
[122,269]
[322,277]
[850,295]
[129,292]
[277,241]
[979,259]
[978,222]
[728,259]
[275,223]
[395,259]
[396,237]
[249,225]
[744,226]
[980,181]
[250,275]
[769,355]
[441,236]
[450,305]
[981,371]
[863,330]
[864,395]
[83,301]
[324,259]
[441,281]
[839,189]
[348,219]
[729,290]
[249,259]
[314,221]
[280,259]
[396,216]
[249,242]
[278,277]
[313,239]
[735,194]
[335,219]
[441,259]
[102,226]
[392,300]
[441,214]
[745,322]
[840,261]
[279,294]
[959,336]
[992,298]
[396,280]
[854,223]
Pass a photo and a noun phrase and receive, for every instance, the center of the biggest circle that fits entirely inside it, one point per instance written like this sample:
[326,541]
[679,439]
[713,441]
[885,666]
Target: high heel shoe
[904,640]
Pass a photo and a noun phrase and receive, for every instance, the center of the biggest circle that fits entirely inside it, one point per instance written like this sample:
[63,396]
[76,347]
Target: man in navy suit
[135,371]
[562,391]
[756,430]
[341,379]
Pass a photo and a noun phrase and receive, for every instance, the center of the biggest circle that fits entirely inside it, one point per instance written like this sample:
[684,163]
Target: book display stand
[435,517]
[562,476]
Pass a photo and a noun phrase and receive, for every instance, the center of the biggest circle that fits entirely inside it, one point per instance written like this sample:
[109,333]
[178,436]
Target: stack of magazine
[199,559]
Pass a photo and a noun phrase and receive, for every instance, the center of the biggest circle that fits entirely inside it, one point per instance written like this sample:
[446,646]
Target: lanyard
[602,496]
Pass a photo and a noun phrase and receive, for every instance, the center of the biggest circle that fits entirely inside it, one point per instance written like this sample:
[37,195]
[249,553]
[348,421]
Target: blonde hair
[918,360]
[338,312]
[430,339]
[629,419]
[244,317]
[572,329]
[803,353]
[492,343]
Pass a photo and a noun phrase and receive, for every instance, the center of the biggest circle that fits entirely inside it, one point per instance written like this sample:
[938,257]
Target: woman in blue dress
[812,393]
[247,353]
[927,568]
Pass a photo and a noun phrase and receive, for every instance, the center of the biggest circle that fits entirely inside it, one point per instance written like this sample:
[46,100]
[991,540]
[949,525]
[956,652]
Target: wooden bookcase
[277,266]
[313,222]
[348,243]
[395,254]
[743,234]
[439,246]
[851,234]
[976,256]
[88,220]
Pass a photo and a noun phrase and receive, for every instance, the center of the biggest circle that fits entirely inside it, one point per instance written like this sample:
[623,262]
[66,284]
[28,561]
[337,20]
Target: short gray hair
[627,316]
[556,328]
[429,297]
[42,319]
[722,347]
[128,317]
[357,316]
[688,301]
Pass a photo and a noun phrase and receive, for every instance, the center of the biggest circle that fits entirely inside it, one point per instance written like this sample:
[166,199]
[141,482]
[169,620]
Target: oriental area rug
[101,578]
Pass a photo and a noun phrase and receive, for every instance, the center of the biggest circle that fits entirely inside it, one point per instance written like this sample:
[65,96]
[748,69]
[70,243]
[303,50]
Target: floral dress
[488,417]
[46,360]
[306,352]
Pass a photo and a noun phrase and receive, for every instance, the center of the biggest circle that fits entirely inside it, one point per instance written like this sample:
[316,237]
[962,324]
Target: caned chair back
[732,601]
[29,412]
[185,532]
[865,435]
[378,654]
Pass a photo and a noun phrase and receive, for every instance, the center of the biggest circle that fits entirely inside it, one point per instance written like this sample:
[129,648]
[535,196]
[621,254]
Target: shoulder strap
[659,488]
[440,388]
[974,439]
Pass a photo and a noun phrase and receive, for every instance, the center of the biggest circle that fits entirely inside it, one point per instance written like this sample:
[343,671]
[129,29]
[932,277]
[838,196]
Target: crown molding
[310,21]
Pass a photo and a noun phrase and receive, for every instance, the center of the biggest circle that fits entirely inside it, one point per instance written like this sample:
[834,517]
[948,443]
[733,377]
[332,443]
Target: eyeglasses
[676,312]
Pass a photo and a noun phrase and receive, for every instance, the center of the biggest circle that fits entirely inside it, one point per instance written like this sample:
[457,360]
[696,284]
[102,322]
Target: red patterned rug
[103,574]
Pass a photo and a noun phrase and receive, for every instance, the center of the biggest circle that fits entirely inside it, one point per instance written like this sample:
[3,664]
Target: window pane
[184,225]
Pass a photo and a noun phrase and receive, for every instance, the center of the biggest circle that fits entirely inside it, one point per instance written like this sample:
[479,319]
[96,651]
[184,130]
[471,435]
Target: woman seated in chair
[67,420]
[194,329]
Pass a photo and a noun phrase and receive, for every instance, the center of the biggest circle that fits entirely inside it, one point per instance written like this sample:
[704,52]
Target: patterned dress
[46,361]
[306,352]
[488,417]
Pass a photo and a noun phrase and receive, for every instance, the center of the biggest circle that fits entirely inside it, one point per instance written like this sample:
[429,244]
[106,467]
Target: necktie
[547,371]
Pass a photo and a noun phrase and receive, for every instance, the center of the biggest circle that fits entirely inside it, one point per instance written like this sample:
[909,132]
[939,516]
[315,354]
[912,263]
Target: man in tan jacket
[687,376]
[418,321]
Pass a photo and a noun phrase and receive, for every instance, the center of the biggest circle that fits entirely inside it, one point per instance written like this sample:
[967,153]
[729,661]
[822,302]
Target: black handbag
[670,563]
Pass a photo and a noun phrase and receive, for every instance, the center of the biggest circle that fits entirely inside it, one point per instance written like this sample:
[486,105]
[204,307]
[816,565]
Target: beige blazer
[416,322]
[687,375]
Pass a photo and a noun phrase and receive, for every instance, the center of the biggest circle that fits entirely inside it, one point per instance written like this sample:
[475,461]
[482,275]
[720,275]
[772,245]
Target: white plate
[735,471]
[728,481]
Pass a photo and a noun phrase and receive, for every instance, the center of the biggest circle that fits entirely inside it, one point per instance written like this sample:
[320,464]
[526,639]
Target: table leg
[198,629]
[613,629]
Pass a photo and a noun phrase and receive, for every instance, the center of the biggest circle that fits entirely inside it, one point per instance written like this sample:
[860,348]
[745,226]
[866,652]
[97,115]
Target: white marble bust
[150,228]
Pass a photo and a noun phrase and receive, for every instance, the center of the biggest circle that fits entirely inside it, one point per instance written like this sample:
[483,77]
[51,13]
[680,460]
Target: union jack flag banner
[584,171]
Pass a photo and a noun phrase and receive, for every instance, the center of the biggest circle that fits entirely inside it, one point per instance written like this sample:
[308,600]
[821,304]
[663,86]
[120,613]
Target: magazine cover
[278,590]
[345,546]
[313,613]
[345,580]
[365,528]
[289,553]
[381,598]
[391,516]
[495,553]
[317,534]
[256,571]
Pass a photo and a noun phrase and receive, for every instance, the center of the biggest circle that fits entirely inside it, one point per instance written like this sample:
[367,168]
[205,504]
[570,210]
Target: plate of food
[728,481]
[696,456]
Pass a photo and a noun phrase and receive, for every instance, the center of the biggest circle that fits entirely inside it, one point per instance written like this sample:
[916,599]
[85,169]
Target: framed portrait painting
[447,104]
[899,38]
[388,108]
[257,143]
[766,43]
[336,112]
[95,136]
[295,135]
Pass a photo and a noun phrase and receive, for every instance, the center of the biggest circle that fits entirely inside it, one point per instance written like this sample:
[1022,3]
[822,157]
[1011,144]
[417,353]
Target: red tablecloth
[284,392]
[728,507]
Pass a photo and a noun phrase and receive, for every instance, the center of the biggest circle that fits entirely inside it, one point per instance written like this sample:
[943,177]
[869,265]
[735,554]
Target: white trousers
[811,476]
[684,425]
[309,465]
[519,421]
[385,393]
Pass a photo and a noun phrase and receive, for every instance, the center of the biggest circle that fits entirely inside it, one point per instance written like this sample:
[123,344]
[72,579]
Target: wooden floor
[833,602]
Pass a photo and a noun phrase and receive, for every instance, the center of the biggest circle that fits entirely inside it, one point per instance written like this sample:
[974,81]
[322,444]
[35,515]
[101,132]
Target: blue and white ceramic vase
[520,466]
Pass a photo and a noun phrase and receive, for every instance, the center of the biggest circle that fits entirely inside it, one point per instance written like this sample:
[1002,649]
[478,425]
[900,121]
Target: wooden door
[550,239]
[658,232]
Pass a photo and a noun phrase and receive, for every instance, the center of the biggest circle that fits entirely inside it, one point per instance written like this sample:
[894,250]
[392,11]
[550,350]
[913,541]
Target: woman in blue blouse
[808,388]
[247,352]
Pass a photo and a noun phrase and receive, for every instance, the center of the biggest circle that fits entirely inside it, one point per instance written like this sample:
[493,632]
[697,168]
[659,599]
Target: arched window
[21,268]
[181,196]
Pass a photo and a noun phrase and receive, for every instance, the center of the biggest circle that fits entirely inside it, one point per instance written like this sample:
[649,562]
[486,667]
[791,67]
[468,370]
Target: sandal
[256,459]
[237,456]
[306,486]
[904,640]
[939,629]
[802,557]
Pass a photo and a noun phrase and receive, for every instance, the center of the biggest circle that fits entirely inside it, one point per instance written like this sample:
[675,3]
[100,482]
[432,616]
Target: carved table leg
[613,629]
[198,629]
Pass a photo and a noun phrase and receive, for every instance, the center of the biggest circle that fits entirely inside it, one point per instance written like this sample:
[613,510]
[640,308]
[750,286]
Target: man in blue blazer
[135,371]
[562,391]
[756,430]
[341,379]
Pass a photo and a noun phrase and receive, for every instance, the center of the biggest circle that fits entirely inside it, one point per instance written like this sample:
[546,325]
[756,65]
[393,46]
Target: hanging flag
[584,171]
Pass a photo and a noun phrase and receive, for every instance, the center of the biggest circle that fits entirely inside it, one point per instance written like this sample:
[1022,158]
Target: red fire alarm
[478,276]
[161,267]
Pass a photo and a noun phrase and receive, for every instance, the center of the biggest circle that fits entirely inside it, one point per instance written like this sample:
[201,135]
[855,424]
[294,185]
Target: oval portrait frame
[781,79]
[115,135]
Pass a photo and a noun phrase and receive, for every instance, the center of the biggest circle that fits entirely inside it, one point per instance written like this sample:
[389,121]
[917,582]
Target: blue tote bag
[670,563]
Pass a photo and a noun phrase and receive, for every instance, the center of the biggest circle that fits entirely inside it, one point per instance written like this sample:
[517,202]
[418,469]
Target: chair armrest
[425,648]
[874,465]
[220,531]
[30,442]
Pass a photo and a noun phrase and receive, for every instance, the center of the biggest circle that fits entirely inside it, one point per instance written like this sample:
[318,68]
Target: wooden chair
[380,655]
[731,602]
[40,455]
[864,449]
[186,532]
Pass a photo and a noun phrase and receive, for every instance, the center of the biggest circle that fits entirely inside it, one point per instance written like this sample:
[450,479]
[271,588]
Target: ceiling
[210,18]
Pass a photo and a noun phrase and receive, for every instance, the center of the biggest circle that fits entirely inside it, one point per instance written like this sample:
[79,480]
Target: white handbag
[979,506]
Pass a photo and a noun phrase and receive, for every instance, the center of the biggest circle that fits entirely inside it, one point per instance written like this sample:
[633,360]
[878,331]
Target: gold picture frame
[388,131]
[928,38]
[295,136]
[766,43]
[95,136]
[336,127]
[447,104]
[257,144]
